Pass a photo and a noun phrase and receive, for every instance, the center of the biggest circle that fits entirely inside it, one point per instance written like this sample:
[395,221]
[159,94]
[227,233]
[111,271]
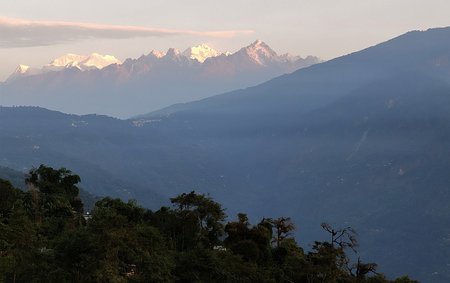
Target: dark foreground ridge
[45,236]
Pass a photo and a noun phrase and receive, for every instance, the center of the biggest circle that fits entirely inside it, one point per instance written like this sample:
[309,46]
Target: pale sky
[33,32]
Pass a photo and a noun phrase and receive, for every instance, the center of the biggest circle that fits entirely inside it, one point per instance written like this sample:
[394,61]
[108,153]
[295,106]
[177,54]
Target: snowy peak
[157,54]
[260,45]
[99,61]
[82,62]
[200,52]
[22,69]
[67,60]
[260,52]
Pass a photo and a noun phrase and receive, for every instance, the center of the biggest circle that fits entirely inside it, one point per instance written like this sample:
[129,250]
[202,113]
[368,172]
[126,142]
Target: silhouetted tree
[283,227]
[342,237]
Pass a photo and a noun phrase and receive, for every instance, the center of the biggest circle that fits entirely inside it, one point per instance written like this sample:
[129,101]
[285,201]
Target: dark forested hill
[362,140]
[45,236]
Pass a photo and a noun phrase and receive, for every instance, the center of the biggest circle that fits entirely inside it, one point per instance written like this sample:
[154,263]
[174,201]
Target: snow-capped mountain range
[81,62]
[93,61]
[108,86]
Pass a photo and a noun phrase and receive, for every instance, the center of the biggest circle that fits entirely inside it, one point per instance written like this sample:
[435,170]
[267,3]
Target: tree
[127,246]
[18,244]
[251,242]
[205,215]
[327,263]
[283,227]
[54,195]
[8,196]
[362,269]
[334,252]
[342,237]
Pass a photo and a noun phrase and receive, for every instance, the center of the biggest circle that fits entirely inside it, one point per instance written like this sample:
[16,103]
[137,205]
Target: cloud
[26,33]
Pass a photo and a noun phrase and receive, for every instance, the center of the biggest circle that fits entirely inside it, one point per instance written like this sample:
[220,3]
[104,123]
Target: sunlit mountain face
[94,61]
[202,52]
[102,84]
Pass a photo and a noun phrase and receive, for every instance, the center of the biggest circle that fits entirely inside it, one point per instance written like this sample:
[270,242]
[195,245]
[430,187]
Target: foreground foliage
[46,237]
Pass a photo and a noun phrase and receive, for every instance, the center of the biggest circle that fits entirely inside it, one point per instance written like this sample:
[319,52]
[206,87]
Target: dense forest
[46,236]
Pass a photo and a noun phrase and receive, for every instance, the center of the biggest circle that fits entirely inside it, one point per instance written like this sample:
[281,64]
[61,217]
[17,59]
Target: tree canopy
[46,237]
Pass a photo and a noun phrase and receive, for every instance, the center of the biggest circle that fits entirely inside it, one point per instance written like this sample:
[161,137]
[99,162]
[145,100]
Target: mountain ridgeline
[103,85]
[362,140]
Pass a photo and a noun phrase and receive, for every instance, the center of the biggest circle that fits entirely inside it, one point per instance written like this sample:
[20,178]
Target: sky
[34,32]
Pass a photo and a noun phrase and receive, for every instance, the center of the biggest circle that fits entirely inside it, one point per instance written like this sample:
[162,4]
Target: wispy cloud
[27,33]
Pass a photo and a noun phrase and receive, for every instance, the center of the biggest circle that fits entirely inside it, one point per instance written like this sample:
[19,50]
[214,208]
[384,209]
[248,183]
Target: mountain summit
[260,52]
[22,71]
[201,52]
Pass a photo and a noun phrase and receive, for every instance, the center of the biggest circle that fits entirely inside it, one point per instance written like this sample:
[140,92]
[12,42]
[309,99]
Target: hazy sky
[33,32]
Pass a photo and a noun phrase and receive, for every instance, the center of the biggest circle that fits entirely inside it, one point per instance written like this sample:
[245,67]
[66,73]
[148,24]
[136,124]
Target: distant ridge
[102,84]
[81,62]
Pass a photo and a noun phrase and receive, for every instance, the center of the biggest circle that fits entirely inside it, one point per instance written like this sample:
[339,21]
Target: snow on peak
[157,54]
[22,69]
[99,61]
[258,42]
[82,62]
[200,52]
[67,60]
[260,52]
